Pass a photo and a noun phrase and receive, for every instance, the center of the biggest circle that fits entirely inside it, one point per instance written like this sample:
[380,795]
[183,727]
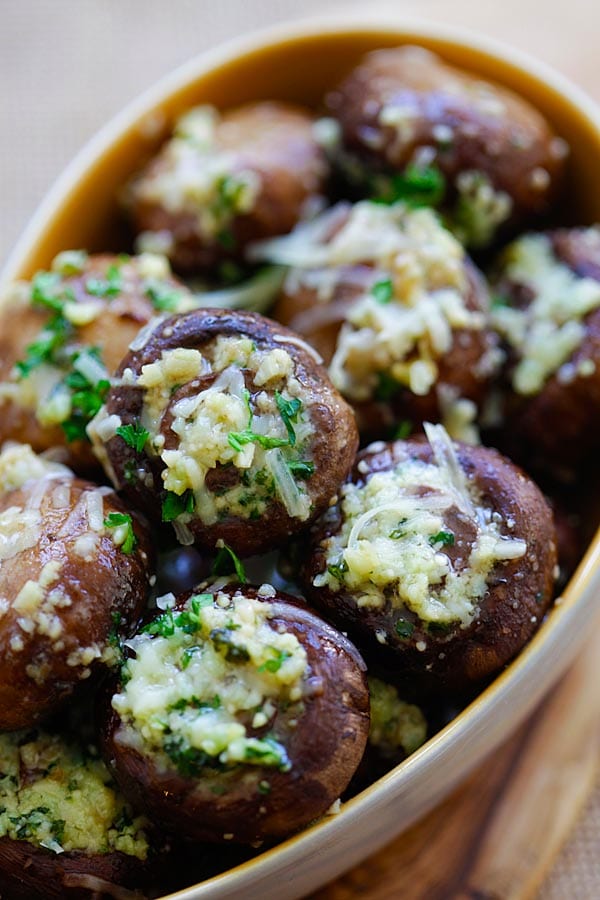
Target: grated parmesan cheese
[547,332]
[390,548]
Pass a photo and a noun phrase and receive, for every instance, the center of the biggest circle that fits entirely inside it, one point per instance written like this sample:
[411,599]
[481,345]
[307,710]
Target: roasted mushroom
[439,560]
[74,575]
[396,308]
[65,829]
[63,334]
[547,310]
[224,180]
[414,127]
[224,424]
[242,716]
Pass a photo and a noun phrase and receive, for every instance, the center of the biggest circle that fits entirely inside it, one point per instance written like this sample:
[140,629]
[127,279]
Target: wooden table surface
[65,68]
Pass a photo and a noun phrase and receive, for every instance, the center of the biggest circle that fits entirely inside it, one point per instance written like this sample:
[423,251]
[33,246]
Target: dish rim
[531,675]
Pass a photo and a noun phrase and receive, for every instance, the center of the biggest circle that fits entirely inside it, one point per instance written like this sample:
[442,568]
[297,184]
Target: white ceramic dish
[299,63]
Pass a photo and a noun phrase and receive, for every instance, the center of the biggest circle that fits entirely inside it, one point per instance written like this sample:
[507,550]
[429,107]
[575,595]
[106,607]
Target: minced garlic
[547,331]
[238,420]
[404,321]
[390,549]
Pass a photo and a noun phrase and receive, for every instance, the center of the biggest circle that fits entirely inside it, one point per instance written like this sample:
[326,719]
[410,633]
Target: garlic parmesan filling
[479,209]
[395,333]
[56,795]
[206,683]
[250,423]
[62,377]
[397,528]
[546,332]
[195,177]
[395,724]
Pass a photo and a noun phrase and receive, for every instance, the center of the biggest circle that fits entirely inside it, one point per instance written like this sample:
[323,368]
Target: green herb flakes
[383,291]
[175,505]
[126,536]
[134,435]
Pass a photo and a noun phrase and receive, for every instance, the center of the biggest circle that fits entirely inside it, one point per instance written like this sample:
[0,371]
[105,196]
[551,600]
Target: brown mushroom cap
[28,872]
[455,658]
[324,735]
[67,593]
[464,123]
[273,141]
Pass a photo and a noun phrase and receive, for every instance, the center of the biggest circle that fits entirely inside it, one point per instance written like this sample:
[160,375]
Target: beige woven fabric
[66,66]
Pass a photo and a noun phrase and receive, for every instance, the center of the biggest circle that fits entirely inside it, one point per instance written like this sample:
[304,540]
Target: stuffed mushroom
[415,127]
[440,560]
[63,334]
[224,424]
[547,311]
[65,829]
[75,567]
[226,179]
[398,311]
[241,717]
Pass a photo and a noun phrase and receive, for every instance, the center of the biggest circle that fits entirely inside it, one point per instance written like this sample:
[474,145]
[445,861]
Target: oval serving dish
[299,63]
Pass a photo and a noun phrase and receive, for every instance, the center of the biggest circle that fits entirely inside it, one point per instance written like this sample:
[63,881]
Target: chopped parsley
[124,521]
[289,410]
[163,297]
[86,399]
[403,429]
[445,538]
[113,636]
[337,570]
[108,287]
[237,439]
[386,387]
[226,239]
[399,531]
[194,703]
[383,291]
[225,645]
[189,761]
[43,350]
[227,562]
[301,468]
[416,186]
[404,629]
[163,625]
[273,665]
[188,620]
[134,435]
[267,752]
[175,505]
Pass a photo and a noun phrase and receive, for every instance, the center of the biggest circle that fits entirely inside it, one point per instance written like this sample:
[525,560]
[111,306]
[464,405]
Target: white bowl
[300,63]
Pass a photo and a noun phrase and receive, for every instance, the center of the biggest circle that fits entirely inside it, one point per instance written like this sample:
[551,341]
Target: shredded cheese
[391,545]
